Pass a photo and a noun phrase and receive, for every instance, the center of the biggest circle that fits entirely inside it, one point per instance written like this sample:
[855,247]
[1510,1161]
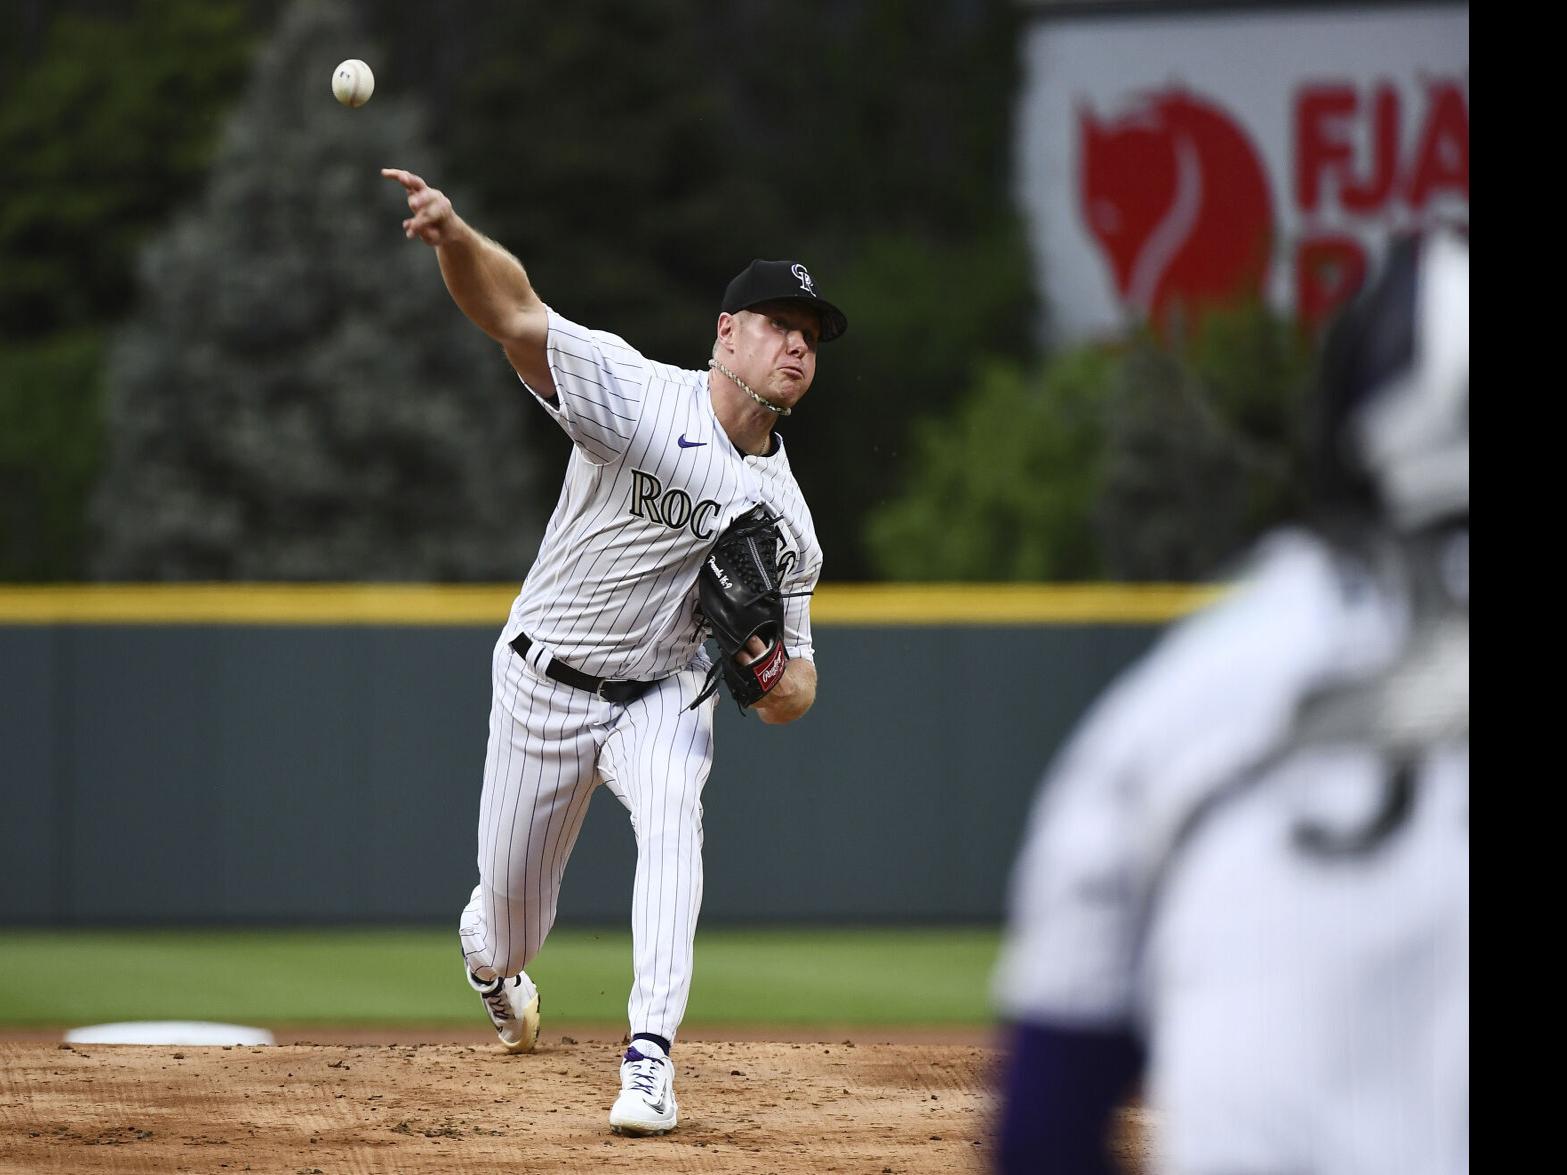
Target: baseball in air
[353,83]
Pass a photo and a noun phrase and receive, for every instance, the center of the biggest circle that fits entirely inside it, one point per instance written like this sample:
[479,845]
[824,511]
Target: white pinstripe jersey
[1304,1012]
[652,482]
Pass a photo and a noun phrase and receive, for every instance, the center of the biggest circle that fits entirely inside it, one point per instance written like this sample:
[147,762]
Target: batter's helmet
[1393,430]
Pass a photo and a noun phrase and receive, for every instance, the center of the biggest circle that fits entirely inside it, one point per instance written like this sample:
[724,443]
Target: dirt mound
[745,1106]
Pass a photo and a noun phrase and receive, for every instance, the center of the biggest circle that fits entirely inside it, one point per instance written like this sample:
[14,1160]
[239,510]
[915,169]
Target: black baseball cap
[782,281]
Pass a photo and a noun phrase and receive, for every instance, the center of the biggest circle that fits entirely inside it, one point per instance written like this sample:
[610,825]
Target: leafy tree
[1151,462]
[296,396]
[105,122]
[1204,445]
[1007,483]
[109,126]
[50,399]
[924,314]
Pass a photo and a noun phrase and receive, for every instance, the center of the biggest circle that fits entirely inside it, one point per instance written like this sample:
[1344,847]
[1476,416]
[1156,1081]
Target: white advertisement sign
[1170,162]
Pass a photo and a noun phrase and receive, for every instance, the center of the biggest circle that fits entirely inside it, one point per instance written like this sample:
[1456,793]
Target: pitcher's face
[773,348]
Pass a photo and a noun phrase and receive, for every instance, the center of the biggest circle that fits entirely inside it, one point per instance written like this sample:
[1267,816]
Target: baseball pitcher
[679,518]
[1246,880]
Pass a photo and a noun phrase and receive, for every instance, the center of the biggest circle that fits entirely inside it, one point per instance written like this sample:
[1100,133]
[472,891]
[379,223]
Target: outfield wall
[314,755]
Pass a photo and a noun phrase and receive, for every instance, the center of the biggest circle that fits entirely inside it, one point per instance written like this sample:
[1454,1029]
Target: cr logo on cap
[804,276]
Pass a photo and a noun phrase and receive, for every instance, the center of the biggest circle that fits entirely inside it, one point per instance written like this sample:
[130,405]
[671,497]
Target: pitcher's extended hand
[433,219]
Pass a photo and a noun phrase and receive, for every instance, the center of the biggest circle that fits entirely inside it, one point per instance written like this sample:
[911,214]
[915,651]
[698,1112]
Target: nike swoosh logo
[685,444]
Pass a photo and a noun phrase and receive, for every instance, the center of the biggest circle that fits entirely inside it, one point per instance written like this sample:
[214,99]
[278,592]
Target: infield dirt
[745,1106]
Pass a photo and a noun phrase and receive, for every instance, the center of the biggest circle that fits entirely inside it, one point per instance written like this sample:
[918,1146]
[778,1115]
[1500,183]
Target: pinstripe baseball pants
[550,746]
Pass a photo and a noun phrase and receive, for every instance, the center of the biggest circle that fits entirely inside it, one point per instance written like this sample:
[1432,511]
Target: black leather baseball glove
[740,597]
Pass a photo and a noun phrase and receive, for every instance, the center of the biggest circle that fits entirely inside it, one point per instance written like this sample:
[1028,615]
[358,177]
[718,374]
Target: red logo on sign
[1179,202]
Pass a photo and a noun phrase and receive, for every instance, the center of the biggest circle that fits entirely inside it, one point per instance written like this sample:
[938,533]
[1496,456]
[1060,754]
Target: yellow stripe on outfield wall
[488,604]
[1002,604]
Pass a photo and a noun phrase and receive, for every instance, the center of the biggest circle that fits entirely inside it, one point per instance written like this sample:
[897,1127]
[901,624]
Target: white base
[195,1032]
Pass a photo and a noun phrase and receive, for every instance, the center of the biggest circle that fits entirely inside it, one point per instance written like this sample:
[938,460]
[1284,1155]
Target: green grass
[410,976]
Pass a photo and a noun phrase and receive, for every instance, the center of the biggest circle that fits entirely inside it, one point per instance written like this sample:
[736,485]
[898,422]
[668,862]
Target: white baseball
[353,83]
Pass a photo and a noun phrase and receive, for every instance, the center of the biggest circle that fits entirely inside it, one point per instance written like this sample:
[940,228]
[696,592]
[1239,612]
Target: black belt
[621,693]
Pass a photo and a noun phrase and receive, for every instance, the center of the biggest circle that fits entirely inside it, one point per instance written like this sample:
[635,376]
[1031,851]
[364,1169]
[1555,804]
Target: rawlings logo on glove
[740,597]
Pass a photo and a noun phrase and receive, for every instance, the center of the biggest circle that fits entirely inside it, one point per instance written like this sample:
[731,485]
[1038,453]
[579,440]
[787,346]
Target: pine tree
[296,397]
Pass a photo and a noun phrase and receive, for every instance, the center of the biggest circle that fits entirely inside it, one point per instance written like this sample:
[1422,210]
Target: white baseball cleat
[513,1005]
[646,1104]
